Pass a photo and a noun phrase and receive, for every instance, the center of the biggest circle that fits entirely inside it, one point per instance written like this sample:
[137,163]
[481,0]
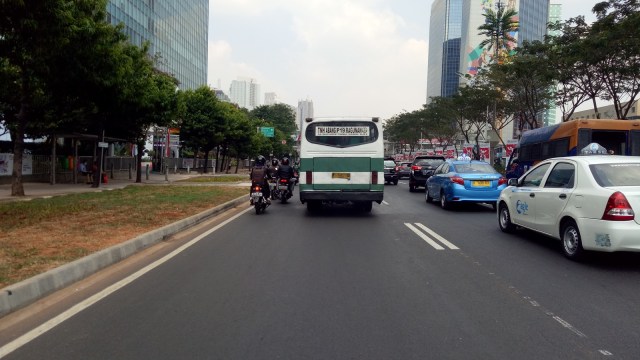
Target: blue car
[470,181]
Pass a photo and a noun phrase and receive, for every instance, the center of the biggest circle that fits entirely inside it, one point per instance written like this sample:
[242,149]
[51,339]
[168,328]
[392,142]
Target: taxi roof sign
[594,149]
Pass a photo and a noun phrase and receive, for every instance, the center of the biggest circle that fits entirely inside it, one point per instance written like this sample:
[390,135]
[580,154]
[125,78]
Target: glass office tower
[445,28]
[177,31]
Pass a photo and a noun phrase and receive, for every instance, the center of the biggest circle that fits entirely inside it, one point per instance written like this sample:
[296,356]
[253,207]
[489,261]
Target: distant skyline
[351,57]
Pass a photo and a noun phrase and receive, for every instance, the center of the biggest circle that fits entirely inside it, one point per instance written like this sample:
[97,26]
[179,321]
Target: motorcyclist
[285,171]
[259,176]
[273,169]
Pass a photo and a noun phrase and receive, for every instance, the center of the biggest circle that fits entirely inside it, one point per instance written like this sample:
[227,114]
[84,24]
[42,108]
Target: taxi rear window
[620,174]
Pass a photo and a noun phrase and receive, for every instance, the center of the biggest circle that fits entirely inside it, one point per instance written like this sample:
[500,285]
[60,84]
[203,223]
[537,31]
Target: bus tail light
[374,177]
[618,208]
[457,180]
[309,177]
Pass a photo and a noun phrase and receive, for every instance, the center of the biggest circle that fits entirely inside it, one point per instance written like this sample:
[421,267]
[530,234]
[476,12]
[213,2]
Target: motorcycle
[273,186]
[258,200]
[283,189]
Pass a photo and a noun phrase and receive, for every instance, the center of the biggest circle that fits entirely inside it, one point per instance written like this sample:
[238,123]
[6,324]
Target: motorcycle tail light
[284,181]
[618,208]
[257,188]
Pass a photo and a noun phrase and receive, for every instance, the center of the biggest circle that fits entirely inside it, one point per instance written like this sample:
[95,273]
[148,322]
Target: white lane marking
[384,202]
[424,237]
[569,326]
[438,237]
[605,353]
[33,334]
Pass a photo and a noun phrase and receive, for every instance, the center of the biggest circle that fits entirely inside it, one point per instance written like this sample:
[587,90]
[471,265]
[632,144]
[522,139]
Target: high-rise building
[176,30]
[244,92]
[555,14]
[533,17]
[305,110]
[445,30]
[270,98]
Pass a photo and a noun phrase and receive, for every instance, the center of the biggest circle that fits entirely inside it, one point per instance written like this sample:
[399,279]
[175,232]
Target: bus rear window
[342,134]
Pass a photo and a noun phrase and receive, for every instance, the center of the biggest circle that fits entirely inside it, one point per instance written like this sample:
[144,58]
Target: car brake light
[309,177]
[502,181]
[618,208]
[457,180]
[374,177]
[416,168]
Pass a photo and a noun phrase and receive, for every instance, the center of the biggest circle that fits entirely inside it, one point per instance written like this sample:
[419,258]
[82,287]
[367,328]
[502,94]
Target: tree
[497,28]
[281,116]
[63,58]
[203,122]
[526,81]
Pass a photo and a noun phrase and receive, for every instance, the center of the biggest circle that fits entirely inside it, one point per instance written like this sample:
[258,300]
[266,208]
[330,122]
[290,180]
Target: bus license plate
[481,183]
[341,176]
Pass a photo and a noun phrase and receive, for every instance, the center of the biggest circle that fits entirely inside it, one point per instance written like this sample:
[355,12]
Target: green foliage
[497,28]
[280,116]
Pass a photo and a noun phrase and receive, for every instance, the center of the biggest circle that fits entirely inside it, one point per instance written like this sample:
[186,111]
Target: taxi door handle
[563,196]
[532,195]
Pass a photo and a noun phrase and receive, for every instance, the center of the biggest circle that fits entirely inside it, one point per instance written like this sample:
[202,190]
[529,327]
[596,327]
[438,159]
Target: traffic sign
[268,131]
[284,142]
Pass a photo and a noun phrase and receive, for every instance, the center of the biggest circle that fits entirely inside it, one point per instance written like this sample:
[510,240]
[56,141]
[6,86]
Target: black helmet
[274,162]
[260,160]
[285,161]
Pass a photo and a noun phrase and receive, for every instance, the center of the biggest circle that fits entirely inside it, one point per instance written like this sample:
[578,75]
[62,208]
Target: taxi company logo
[522,207]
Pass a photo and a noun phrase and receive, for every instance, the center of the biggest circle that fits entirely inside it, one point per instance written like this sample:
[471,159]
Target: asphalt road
[347,285]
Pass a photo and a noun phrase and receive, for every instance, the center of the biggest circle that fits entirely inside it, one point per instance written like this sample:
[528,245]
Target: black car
[422,168]
[404,169]
[390,172]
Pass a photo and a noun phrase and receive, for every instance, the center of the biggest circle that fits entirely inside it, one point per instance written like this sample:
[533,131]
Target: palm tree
[497,26]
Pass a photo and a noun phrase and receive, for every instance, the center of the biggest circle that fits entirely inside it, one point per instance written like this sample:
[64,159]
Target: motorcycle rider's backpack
[258,174]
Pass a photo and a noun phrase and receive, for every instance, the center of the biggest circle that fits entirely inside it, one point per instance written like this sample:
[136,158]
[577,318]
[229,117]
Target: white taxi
[587,202]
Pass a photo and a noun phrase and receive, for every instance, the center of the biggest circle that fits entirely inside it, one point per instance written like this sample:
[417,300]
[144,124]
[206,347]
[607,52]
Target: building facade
[445,30]
[304,110]
[607,112]
[244,92]
[176,30]
[270,98]
[555,14]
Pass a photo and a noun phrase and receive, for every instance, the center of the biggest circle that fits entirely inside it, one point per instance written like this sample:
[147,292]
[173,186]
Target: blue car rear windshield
[621,174]
[474,168]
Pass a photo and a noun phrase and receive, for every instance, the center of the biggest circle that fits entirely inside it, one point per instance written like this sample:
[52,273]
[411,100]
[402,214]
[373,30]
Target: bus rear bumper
[342,196]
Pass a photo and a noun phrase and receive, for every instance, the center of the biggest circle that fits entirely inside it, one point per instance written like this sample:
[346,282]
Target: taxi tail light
[309,177]
[618,208]
[502,181]
[457,180]
[416,168]
[374,177]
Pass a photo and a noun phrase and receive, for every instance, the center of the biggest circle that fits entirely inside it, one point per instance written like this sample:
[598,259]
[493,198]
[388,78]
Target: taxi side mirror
[512,182]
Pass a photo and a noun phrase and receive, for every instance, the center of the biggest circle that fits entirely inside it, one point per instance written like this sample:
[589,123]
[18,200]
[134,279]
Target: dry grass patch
[39,235]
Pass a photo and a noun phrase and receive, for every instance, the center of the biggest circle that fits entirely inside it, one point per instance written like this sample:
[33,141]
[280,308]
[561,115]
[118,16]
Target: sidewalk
[44,190]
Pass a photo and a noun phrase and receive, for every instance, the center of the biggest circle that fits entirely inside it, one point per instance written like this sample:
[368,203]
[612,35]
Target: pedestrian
[84,171]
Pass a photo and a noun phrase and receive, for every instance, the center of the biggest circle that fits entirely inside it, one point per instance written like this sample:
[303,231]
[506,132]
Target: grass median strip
[39,235]
[216,179]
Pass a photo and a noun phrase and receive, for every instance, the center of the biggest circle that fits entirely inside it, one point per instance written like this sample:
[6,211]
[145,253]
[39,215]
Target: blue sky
[351,57]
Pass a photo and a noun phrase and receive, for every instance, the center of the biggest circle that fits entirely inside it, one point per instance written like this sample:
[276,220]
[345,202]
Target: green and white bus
[341,160]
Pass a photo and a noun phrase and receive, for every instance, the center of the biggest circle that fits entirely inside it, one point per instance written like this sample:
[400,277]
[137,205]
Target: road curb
[16,296]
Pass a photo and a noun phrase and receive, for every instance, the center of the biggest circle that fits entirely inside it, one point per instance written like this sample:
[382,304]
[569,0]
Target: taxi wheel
[443,201]
[571,240]
[504,219]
